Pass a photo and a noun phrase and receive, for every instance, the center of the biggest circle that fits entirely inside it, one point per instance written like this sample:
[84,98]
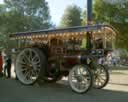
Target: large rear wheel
[29,64]
[80,78]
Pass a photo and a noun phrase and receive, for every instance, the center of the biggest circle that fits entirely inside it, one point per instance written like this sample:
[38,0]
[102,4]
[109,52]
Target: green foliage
[3,43]
[28,14]
[23,15]
[84,43]
[115,14]
[84,18]
[71,17]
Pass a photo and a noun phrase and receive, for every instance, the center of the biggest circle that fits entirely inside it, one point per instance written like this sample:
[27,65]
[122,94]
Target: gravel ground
[116,91]
[13,91]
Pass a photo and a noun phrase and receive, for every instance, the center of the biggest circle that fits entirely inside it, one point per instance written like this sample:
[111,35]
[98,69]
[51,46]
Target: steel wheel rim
[100,76]
[85,80]
[28,66]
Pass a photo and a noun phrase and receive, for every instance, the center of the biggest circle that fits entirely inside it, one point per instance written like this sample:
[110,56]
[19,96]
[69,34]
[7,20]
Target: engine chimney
[89,12]
[89,22]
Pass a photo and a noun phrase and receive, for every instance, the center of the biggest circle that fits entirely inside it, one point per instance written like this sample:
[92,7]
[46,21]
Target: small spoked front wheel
[80,78]
[101,76]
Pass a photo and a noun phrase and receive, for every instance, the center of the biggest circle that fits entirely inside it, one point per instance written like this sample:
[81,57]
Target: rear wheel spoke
[28,66]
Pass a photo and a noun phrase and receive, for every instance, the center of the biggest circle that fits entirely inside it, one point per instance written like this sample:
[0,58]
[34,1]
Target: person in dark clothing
[7,67]
[1,65]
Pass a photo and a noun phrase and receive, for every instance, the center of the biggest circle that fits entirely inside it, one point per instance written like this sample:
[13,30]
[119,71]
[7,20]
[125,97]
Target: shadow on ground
[118,84]
[14,91]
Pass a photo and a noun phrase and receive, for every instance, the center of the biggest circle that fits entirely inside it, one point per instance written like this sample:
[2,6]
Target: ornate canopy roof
[64,33]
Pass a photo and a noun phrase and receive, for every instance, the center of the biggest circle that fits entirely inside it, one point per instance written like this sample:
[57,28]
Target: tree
[114,13]
[33,14]
[71,17]
[84,18]
[23,15]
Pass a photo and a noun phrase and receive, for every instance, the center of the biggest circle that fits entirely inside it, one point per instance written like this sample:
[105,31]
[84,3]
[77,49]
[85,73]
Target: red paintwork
[71,60]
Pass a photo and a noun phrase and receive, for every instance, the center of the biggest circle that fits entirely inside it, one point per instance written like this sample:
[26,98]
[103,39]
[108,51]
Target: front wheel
[80,78]
[101,77]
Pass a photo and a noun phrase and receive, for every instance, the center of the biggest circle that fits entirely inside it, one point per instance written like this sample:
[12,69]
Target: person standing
[7,66]
[1,64]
